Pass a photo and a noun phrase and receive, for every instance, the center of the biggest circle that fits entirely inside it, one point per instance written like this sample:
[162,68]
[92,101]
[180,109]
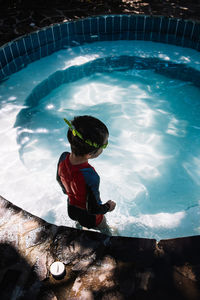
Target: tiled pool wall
[22,51]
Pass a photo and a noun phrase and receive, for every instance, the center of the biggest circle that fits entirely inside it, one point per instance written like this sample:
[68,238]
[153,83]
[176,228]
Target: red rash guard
[81,184]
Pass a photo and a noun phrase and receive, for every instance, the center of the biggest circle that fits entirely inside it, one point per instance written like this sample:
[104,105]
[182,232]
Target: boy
[88,137]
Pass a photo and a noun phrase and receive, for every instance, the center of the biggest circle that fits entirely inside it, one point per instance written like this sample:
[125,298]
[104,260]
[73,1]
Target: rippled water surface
[152,165]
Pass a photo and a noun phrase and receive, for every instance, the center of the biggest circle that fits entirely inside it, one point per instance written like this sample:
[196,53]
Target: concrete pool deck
[97,266]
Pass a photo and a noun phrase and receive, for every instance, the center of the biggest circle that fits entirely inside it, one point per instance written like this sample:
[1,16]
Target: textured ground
[97,266]
[22,16]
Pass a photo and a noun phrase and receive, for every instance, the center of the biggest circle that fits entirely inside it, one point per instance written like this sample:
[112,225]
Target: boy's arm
[93,204]
[62,157]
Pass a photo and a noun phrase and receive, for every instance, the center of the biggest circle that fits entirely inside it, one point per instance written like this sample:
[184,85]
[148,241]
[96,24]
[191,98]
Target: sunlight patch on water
[79,60]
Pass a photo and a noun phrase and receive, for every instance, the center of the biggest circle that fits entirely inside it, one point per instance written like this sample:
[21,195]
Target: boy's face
[100,150]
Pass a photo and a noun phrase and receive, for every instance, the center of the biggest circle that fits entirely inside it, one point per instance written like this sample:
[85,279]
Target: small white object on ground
[57,269]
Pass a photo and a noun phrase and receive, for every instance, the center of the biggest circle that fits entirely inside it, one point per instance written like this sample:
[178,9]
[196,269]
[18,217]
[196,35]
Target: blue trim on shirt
[92,179]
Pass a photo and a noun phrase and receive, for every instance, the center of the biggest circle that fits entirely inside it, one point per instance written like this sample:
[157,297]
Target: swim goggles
[76,133]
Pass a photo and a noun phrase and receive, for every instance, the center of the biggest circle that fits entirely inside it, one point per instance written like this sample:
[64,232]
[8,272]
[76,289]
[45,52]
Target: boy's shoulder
[63,156]
[90,174]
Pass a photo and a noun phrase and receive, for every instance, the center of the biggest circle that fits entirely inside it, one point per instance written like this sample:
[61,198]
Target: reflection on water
[151,167]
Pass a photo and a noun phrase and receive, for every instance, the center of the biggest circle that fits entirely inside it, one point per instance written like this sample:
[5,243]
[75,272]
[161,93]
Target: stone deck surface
[97,266]
[19,17]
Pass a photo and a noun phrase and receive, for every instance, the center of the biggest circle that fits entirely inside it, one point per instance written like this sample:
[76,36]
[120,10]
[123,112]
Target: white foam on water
[151,167]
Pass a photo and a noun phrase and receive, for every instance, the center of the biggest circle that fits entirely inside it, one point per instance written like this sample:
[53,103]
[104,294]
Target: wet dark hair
[91,129]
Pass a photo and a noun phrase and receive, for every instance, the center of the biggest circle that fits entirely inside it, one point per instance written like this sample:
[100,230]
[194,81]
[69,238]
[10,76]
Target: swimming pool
[147,93]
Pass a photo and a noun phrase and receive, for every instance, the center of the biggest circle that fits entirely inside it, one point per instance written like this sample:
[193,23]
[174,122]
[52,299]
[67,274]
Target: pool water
[152,165]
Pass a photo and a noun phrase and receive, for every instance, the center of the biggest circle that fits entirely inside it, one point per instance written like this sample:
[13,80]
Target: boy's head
[90,129]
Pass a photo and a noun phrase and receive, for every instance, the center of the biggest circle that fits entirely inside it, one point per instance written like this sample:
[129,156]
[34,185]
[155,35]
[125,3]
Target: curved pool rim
[20,52]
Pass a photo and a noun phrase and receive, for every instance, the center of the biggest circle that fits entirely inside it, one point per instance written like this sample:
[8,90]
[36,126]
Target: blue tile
[194,44]
[64,43]
[102,27]
[21,46]
[163,38]
[188,29]
[78,27]
[44,51]
[108,37]
[124,23]
[147,36]
[42,37]
[94,38]
[164,25]
[1,75]
[58,45]
[8,53]
[140,24]
[28,44]
[198,47]
[32,57]
[49,35]
[196,32]
[71,28]
[155,36]
[38,53]
[180,28]
[148,28]
[26,60]
[124,35]
[2,58]
[50,48]
[87,38]
[19,63]
[109,25]
[94,27]
[140,36]
[116,36]
[148,24]
[156,24]
[186,43]
[172,27]
[64,30]
[132,28]
[12,67]
[77,40]
[86,26]
[35,40]
[171,39]
[15,50]
[116,28]
[6,70]
[56,31]
[178,40]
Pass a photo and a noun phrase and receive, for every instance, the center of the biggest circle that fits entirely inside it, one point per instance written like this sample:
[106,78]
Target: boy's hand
[112,205]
